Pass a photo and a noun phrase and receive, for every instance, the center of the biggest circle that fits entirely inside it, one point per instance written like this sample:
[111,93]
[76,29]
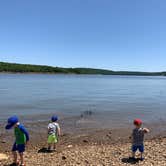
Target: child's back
[21,139]
[138,136]
[53,128]
[53,132]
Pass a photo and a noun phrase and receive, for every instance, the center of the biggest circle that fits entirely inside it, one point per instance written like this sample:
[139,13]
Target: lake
[102,100]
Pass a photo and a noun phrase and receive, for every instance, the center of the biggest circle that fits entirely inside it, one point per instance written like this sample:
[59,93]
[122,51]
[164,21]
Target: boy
[138,138]
[53,133]
[21,139]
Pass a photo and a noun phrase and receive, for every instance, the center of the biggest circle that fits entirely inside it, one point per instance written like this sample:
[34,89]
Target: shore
[102,147]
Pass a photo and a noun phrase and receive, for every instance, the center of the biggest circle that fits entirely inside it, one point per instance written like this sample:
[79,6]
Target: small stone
[85,141]
[64,158]
[70,146]
[3,156]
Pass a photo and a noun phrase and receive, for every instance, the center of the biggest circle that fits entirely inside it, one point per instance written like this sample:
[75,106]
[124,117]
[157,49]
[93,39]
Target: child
[21,139]
[138,138]
[53,133]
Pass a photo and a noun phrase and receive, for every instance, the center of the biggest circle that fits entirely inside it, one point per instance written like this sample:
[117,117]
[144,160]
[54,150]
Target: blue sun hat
[11,122]
[54,118]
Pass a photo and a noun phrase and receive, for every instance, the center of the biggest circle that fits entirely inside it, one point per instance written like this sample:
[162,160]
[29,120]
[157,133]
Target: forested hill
[26,68]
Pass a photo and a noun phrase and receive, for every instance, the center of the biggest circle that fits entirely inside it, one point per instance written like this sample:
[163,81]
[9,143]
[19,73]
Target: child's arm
[146,130]
[59,130]
[48,130]
[131,137]
[23,129]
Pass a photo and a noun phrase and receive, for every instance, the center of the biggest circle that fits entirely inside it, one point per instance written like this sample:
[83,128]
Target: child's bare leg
[54,146]
[133,154]
[22,158]
[49,146]
[142,156]
[14,156]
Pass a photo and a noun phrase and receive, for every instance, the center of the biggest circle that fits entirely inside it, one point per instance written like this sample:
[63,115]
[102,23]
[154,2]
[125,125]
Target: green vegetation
[26,68]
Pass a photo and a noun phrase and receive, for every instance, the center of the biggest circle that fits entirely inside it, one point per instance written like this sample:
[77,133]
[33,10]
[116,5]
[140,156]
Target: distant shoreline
[14,68]
[70,74]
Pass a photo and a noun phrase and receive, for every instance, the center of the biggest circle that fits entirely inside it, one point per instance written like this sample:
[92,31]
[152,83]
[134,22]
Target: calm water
[115,99]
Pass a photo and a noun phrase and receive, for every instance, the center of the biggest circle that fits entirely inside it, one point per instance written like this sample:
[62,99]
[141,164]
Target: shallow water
[110,100]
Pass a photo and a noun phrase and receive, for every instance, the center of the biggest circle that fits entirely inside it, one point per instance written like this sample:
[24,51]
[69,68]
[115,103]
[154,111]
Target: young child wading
[53,133]
[138,138]
[21,139]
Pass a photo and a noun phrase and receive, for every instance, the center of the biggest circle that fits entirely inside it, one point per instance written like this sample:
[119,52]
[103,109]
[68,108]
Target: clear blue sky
[112,34]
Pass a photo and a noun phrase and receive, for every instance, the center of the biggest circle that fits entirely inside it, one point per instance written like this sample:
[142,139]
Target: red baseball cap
[137,121]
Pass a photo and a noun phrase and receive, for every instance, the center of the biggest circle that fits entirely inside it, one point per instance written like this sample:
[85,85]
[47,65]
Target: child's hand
[146,130]
[27,143]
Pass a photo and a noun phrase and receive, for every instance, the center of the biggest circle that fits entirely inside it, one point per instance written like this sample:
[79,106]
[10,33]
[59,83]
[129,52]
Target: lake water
[109,99]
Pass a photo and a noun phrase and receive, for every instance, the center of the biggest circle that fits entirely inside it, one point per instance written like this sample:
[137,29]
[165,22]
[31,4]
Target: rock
[70,146]
[109,136]
[86,161]
[64,158]
[85,141]
[3,156]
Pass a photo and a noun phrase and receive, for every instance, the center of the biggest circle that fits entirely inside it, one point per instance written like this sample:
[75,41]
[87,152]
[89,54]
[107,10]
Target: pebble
[64,158]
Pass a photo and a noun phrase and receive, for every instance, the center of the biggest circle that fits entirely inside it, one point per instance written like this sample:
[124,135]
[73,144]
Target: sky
[109,34]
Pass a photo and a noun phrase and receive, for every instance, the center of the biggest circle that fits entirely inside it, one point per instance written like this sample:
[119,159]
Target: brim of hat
[9,126]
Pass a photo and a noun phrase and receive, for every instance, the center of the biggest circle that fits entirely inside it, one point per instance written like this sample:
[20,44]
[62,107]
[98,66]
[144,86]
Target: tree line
[27,68]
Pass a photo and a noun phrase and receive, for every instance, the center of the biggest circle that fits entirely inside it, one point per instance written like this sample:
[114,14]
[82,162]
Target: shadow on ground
[45,150]
[130,160]
[10,165]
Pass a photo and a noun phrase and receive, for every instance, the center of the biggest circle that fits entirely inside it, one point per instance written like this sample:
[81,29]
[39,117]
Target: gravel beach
[90,150]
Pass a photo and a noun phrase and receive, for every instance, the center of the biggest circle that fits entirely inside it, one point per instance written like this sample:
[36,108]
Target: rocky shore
[90,150]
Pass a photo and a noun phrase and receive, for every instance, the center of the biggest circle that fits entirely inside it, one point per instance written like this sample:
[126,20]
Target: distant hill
[27,68]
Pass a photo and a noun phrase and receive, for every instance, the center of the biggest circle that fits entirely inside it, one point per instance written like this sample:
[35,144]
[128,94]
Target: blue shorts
[138,147]
[18,147]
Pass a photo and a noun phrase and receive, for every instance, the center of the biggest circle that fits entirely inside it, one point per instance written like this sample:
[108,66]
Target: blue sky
[112,34]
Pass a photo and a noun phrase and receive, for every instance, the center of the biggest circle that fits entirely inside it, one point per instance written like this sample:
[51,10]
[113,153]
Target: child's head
[54,118]
[12,121]
[137,122]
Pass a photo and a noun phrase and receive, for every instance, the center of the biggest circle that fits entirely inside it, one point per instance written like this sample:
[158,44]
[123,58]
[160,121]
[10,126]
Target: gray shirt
[138,136]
